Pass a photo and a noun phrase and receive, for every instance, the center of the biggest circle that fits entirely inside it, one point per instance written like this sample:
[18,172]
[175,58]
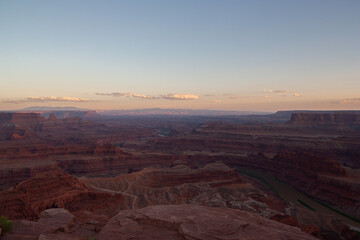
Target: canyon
[109,169]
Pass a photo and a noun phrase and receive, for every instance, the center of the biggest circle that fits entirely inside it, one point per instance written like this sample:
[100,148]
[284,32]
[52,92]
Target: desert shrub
[5,224]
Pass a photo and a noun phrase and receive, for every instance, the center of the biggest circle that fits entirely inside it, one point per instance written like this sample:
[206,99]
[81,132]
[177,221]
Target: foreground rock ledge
[196,223]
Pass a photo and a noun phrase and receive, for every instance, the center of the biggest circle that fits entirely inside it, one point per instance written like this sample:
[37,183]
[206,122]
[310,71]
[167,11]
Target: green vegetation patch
[306,205]
[5,224]
[337,211]
[257,176]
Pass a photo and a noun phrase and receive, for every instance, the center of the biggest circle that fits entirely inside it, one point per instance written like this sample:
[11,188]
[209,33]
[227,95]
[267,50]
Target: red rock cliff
[307,162]
[51,190]
[20,117]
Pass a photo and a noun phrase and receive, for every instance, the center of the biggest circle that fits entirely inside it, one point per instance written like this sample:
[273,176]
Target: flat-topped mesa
[19,125]
[336,118]
[21,118]
[26,118]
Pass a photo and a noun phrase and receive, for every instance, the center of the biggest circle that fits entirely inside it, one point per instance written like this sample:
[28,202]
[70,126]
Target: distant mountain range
[177,112]
[147,111]
[171,112]
[47,108]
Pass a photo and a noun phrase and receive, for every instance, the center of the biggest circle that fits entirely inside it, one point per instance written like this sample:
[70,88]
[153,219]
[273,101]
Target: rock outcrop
[14,126]
[194,222]
[52,223]
[53,190]
[166,222]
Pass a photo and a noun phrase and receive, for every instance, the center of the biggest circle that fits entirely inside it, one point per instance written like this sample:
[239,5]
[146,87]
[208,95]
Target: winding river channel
[297,198]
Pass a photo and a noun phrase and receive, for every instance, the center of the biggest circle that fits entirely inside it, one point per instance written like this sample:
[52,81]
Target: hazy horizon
[218,55]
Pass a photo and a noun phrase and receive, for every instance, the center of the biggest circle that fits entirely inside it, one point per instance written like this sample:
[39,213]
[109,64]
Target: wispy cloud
[281,91]
[13,101]
[103,94]
[115,94]
[142,96]
[169,96]
[297,95]
[216,101]
[276,91]
[47,99]
[230,96]
[121,94]
[56,99]
[350,101]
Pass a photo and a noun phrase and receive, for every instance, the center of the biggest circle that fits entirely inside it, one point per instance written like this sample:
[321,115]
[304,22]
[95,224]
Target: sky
[253,55]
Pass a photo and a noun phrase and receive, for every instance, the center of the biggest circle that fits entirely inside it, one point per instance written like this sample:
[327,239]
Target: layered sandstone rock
[344,118]
[166,177]
[96,160]
[14,126]
[317,176]
[52,190]
[308,162]
[106,149]
[21,118]
[194,222]
[12,175]
[214,185]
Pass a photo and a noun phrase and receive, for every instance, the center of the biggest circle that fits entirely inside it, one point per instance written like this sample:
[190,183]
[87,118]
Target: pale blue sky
[220,54]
